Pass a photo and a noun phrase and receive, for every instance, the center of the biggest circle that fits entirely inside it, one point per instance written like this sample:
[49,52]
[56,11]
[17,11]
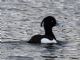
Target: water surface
[25,51]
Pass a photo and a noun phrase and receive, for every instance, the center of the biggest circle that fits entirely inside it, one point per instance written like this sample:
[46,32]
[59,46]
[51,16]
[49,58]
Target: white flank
[0,40]
[45,40]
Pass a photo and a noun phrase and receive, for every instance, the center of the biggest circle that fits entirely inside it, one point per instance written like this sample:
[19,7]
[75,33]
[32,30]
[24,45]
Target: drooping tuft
[49,21]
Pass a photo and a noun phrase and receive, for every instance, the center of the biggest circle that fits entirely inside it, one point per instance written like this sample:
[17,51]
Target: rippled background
[24,51]
[20,20]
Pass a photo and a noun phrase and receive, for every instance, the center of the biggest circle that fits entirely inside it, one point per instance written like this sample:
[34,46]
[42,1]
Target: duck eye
[52,21]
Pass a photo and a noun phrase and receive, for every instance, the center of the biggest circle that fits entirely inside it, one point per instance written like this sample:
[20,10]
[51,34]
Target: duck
[48,23]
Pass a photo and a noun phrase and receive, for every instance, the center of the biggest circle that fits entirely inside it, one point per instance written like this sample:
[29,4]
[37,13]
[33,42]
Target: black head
[49,22]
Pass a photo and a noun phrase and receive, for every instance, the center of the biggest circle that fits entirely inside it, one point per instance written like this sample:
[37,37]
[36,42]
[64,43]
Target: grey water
[22,50]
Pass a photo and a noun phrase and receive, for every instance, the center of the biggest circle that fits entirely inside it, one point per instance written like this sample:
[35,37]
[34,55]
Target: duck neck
[49,33]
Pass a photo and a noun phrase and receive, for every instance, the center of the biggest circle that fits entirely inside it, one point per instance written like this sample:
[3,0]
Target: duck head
[49,22]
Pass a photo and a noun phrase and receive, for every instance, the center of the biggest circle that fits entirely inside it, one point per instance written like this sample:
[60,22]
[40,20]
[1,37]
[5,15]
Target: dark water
[24,51]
